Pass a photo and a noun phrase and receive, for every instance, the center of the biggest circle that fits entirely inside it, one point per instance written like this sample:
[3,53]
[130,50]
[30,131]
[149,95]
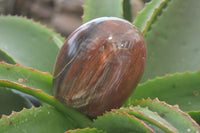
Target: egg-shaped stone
[99,65]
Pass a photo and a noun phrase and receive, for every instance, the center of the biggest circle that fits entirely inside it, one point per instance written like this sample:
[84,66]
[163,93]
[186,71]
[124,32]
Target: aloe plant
[166,100]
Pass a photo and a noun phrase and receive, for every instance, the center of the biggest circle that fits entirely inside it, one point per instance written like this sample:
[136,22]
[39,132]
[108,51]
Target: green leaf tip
[147,16]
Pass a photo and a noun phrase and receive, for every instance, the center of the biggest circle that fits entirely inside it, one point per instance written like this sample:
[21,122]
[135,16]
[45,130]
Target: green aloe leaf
[6,58]
[102,8]
[27,76]
[159,124]
[29,43]
[195,115]
[78,119]
[181,88]
[180,120]
[39,85]
[172,38]
[148,15]
[35,120]
[120,123]
[85,130]
[11,101]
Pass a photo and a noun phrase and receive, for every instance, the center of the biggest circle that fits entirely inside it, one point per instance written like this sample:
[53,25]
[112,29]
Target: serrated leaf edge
[168,75]
[172,107]
[153,16]
[155,121]
[3,116]
[32,20]
[67,111]
[28,68]
[130,116]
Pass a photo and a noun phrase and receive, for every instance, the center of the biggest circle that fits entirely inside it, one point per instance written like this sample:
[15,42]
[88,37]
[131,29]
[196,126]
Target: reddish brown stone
[99,65]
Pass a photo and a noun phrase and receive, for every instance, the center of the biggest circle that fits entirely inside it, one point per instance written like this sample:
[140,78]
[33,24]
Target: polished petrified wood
[99,65]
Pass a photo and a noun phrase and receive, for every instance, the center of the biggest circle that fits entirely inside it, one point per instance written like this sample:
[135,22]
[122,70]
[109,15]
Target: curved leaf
[78,119]
[147,16]
[173,40]
[35,120]
[27,76]
[151,117]
[180,120]
[182,89]
[33,82]
[11,101]
[120,123]
[28,43]
[102,8]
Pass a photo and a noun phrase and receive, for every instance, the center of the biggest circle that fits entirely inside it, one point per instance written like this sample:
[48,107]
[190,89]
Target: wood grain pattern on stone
[99,65]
